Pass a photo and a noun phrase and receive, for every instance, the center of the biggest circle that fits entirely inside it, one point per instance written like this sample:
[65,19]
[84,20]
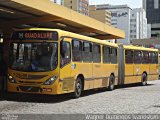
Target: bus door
[145,64]
[129,67]
[65,65]
[153,72]
[86,66]
[137,66]
[97,66]
[1,78]
[2,70]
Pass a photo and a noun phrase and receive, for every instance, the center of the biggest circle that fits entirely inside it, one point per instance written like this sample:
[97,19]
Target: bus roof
[131,47]
[74,35]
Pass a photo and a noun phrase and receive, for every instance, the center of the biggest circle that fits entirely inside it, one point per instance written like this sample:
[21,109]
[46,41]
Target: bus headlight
[11,79]
[50,81]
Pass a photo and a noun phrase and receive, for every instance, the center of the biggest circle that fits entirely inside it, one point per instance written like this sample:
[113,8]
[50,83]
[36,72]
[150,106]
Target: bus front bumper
[33,89]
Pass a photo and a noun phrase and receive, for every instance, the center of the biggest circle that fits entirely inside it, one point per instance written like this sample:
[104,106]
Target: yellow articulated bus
[51,61]
[137,64]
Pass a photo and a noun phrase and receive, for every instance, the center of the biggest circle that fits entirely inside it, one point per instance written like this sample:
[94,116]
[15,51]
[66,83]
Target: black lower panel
[29,89]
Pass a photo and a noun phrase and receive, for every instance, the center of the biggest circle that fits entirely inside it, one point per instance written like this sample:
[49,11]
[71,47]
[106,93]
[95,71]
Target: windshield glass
[38,57]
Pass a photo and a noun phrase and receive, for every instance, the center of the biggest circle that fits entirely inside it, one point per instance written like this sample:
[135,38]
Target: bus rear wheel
[144,79]
[111,83]
[78,88]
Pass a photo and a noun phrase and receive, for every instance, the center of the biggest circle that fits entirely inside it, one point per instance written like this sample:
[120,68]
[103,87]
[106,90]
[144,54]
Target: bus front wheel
[144,79]
[111,83]
[78,88]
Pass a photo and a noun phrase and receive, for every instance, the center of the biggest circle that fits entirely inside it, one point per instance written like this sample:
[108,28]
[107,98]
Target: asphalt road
[131,99]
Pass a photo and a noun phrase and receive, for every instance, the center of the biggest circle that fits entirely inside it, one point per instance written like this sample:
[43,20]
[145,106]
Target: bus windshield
[37,57]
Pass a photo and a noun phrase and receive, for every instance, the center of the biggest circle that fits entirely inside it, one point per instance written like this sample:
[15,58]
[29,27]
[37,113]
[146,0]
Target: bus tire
[78,88]
[111,83]
[144,79]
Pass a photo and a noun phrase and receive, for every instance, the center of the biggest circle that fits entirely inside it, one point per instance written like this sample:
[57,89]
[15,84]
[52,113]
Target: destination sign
[35,35]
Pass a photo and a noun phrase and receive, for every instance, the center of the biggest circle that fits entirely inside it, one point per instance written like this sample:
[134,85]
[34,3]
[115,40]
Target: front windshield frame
[22,59]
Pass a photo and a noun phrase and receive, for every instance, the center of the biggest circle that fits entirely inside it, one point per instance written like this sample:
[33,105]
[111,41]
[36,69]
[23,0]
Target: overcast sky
[130,3]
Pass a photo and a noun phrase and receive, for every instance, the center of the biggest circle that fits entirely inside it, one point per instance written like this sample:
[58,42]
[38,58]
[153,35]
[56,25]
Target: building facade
[60,2]
[138,24]
[120,18]
[134,25]
[100,15]
[152,8]
[132,21]
[81,6]
[148,30]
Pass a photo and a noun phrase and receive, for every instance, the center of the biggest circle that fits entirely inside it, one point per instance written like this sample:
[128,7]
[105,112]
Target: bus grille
[29,77]
[30,82]
[30,89]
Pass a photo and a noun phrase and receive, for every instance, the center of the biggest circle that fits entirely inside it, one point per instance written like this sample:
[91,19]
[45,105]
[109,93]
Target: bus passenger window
[106,54]
[145,57]
[113,55]
[96,53]
[153,58]
[87,52]
[137,57]
[76,50]
[155,61]
[65,53]
[129,56]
